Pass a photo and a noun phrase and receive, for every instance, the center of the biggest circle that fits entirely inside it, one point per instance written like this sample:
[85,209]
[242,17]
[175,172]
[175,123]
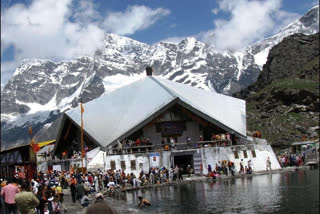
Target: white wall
[142,162]
[165,159]
[213,155]
[43,167]
[210,155]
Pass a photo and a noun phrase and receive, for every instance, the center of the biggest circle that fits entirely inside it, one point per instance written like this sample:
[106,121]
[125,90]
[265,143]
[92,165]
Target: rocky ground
[284,113]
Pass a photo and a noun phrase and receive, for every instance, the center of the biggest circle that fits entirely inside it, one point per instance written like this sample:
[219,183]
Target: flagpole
[35,150]
[82,110]
[81,136]
[30,131]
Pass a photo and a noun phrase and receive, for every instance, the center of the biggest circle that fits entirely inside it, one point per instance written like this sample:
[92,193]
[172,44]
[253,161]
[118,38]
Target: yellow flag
[82,109]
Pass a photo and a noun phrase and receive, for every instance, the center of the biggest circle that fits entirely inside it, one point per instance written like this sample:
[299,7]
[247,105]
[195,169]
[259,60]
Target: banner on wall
[56,167]
[154,159]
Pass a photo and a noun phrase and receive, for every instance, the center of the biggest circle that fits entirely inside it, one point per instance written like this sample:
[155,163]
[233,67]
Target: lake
[283,192]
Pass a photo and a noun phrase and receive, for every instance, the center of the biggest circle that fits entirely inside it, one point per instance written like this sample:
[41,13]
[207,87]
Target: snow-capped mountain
[41,89]
[308,24]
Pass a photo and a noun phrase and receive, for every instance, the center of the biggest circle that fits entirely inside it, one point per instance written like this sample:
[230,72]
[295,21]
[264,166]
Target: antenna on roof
[149,71]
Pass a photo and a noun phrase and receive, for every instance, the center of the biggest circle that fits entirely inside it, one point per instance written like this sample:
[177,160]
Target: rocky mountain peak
[311,18]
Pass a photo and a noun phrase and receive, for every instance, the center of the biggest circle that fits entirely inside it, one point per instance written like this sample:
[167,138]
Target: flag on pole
[35,147]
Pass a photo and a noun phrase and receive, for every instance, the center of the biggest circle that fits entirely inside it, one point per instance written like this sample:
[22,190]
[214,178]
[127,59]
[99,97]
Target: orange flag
[30,130]
[82,109]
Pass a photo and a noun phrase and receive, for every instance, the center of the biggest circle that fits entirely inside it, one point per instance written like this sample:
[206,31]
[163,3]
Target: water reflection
[288,192]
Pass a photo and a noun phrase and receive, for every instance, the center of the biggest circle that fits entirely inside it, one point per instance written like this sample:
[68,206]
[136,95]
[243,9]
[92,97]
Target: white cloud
[215,11]
[249,21]
[174,39]
[133,19]
[64,29]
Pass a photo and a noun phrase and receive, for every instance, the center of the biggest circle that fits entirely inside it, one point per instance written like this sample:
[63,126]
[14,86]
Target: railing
[312,156]
[60,160]
[43,159]
[168,147]
[152,148]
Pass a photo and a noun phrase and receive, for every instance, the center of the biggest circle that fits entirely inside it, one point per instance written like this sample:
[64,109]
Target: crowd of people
[228,168]
[31,197]
[157,175]
[291,160]
[45,193]
[46,190]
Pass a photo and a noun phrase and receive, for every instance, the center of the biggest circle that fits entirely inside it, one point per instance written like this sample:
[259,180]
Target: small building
[44,155]
[309,149]
[154,112]
[18,158]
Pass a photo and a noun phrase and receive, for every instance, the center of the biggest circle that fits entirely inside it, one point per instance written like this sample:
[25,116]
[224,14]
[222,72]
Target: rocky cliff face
[284,102]
[40,90]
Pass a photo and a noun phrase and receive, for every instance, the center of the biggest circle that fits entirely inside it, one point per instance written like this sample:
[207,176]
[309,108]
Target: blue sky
[66,29]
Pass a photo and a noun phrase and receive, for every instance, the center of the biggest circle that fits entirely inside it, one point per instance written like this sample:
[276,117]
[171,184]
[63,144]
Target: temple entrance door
[183,161]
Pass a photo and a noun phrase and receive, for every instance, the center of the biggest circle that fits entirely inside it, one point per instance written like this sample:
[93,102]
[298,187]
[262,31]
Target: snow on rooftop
[133,104]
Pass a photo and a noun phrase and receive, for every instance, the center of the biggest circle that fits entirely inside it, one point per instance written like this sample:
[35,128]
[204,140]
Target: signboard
[56,167]
[154,159]
[171,128]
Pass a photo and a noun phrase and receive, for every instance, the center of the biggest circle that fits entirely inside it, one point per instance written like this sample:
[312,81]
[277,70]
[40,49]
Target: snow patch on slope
[36,107]
[239,58]
[261,58]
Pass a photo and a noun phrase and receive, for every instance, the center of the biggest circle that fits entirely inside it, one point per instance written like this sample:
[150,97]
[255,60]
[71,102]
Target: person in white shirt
[35,186]
[172,143]
[283,161]
[268,164]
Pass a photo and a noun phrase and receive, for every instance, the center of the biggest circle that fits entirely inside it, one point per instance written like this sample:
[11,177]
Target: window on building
[236,155]
[133,164]
[245,154]
[4,158]
[113,165]
[123,165]
[253,152]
